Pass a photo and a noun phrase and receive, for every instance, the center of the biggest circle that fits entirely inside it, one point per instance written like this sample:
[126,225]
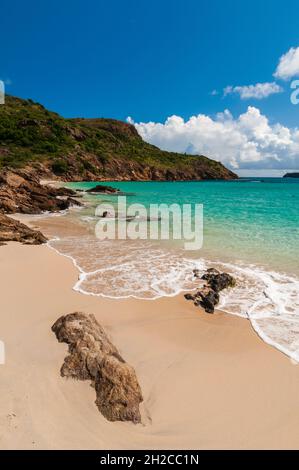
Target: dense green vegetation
[31,133]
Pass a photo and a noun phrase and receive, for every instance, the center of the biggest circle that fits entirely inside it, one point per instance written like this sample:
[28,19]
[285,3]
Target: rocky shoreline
[39,144]
[13,230]
[21,192]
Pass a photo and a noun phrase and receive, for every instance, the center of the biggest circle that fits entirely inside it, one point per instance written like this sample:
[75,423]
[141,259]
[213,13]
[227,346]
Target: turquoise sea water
[251,220]
[251,229]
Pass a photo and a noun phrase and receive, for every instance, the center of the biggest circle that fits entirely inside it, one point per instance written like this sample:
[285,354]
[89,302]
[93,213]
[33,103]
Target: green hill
[90,149]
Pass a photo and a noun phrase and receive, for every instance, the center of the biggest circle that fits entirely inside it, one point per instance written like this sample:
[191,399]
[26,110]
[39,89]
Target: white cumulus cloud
[288,65]
[130,120]
[248,141]
[258,91]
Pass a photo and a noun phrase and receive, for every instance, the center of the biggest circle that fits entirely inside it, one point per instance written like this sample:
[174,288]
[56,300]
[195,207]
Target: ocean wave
[121,269]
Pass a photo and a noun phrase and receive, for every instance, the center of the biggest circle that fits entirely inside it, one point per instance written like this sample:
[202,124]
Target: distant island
[291,175]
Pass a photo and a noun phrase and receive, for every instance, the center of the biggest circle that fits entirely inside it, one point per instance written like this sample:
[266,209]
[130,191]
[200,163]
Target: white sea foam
[122,269]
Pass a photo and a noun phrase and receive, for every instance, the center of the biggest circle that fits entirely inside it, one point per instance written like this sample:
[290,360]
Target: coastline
[208,381]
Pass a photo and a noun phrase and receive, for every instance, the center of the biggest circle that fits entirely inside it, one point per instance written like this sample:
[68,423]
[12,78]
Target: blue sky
[152,60]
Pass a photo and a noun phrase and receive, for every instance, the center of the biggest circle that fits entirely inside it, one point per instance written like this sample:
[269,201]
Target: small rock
[101,188]
[209,300]
[73,202]
[208,296]
[189,297]
[219,281]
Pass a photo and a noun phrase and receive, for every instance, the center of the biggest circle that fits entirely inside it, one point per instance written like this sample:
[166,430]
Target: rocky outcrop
[91,149]
[93,357]
[101,188]
[12,230]
[21,191]
[208,296]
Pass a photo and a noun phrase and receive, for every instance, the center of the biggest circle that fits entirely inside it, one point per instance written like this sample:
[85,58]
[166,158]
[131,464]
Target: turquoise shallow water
[250,220]
[251,230]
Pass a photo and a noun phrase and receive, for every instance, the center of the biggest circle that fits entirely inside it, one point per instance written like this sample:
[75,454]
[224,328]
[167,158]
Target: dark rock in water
[291,175]
[219,281]
[208,299]
[101,188]
[208,296]
[212,271]
[13,230]
[93,357]
[196,272]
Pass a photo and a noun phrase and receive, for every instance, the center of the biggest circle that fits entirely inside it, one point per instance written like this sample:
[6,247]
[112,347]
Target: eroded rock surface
[208,296]
[21,191]
[13,230]
[93,357]
[218,281]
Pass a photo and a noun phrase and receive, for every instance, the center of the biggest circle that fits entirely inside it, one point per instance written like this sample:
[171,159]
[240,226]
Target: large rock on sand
[93,357]
[13,230]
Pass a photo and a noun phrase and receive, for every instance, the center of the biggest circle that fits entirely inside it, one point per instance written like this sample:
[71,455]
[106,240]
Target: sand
[208,381]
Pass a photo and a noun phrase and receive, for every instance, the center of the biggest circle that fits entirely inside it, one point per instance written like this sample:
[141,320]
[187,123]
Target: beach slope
[208,381]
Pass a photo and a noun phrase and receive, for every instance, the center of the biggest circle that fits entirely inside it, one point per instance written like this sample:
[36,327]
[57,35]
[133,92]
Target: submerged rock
[101,188]
[196,272]
[93,357]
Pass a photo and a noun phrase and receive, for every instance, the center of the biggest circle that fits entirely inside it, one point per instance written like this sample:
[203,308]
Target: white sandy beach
[208,381]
